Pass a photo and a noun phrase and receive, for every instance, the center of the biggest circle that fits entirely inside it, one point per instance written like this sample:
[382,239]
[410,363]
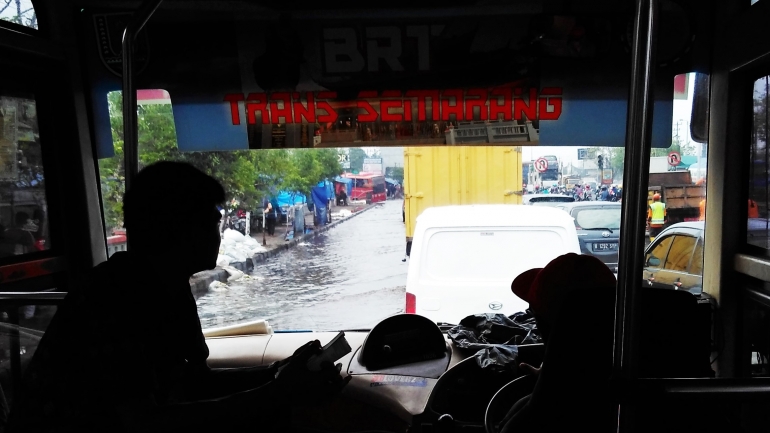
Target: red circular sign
[674,159]
[541,165]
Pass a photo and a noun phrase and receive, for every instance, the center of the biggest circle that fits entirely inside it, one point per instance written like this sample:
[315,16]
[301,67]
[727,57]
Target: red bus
[368,186]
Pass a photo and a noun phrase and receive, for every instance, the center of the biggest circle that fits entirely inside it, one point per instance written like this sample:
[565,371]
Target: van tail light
[411,303]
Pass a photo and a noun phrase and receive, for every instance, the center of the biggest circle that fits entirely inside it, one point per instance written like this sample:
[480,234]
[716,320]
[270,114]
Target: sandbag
[234,273]
[236,254]
[223,260]
[234,235]
[218,286]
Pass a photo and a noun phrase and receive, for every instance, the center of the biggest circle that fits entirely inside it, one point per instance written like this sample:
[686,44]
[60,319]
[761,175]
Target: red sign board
[541,165]
[674,159]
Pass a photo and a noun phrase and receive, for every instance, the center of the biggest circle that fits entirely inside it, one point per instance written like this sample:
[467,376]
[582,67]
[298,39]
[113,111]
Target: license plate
[607,246]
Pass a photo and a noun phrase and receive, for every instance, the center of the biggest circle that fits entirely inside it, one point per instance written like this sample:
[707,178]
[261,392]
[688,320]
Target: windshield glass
[336,139]
[603,217]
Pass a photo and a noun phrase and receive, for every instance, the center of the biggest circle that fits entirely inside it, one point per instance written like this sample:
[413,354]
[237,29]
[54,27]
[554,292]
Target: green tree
[395,173]
[245,175]
[357,156]
[308,167]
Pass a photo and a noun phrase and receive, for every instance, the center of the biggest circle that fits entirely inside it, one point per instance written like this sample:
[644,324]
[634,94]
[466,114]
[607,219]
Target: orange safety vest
[657,214]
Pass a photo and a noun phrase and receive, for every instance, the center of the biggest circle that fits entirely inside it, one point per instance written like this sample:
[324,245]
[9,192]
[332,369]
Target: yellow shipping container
[456,175]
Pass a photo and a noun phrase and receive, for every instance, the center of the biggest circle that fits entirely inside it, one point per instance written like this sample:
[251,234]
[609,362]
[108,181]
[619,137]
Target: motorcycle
[236,220]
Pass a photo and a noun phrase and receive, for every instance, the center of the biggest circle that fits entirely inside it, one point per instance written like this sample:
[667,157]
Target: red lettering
[304,113]
[387,104]
[257,102]
[371,113]
[408,110]
[457,108]
[331,115]
[479,100]
[235,112]
[496,108]
[550,97]
[421,96]
[524,110]
[284,111]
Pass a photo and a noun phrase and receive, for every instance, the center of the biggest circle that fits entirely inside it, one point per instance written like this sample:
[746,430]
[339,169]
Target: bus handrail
[130,120]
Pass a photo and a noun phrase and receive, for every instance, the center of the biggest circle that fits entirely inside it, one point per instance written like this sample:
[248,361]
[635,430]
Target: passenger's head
[656,197]
[546,288]
[172,207]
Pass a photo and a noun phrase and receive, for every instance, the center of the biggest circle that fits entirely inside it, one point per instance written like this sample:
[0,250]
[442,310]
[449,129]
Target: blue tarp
[286,198]
[329,186]
[391,181]
[320,198]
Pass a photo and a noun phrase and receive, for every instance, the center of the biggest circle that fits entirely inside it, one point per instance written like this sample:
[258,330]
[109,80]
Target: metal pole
[130,128]
[635,177]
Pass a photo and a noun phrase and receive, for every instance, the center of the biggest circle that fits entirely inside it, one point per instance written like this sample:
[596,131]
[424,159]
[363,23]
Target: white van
[464,258]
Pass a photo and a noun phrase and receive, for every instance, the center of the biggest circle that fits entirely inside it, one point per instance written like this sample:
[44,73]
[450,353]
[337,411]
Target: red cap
[544,287]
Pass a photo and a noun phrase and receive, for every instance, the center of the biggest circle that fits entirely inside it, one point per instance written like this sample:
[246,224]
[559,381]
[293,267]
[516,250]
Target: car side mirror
[653,261]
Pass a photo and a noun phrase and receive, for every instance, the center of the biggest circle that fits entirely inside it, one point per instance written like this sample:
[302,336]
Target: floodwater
[349,277]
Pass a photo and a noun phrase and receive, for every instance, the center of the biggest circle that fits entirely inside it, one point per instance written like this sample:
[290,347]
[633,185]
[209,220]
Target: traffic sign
[674,159]
[541,165]
[583,154]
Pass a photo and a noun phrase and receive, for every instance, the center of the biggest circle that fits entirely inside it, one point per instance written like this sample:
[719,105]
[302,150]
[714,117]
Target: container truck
[456,175]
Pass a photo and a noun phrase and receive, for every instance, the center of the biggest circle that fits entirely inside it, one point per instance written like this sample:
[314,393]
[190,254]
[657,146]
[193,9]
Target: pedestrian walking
[270,218]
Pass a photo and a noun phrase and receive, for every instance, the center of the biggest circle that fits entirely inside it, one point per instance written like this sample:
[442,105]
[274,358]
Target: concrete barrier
[200,282]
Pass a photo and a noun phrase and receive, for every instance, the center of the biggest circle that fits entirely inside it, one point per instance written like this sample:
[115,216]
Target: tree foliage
[247,176]
[357,156]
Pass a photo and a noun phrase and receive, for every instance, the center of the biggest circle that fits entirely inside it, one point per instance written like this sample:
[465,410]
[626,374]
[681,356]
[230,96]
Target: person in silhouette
[572,299]
[125,350]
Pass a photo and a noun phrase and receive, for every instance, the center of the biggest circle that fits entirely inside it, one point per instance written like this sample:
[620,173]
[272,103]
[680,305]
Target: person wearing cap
[656,216]
[572,299]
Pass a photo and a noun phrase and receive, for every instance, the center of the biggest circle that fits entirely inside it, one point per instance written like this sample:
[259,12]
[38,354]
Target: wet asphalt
[349,277]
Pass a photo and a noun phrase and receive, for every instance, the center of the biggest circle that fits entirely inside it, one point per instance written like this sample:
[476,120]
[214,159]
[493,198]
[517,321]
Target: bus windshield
[339,141]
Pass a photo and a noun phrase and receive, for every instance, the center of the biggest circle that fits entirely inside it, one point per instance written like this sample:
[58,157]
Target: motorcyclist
[605,195]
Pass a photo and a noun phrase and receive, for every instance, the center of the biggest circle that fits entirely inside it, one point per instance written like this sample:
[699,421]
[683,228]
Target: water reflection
[347,278]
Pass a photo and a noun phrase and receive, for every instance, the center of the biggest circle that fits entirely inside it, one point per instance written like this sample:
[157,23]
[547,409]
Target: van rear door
[469,270]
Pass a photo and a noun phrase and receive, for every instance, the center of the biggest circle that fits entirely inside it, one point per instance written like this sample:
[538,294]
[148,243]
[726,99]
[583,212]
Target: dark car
[674,260]
[598,229]
[546,199]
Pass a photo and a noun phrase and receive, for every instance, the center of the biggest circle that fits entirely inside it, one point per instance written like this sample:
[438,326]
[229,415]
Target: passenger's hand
[529,369]
[298,385]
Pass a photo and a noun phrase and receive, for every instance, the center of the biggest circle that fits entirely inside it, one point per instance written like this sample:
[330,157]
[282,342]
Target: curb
[199,283]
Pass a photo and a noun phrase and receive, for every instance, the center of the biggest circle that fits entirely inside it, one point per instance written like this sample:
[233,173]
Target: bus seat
[675,337]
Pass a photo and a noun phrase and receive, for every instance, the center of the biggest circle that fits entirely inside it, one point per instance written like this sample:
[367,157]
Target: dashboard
[407,376]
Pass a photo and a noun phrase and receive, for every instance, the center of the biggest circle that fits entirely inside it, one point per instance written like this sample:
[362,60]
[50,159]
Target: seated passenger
[572,299]
[125,351]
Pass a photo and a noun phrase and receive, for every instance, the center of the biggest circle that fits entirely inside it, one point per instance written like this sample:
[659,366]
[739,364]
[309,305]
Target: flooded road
[349,277]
